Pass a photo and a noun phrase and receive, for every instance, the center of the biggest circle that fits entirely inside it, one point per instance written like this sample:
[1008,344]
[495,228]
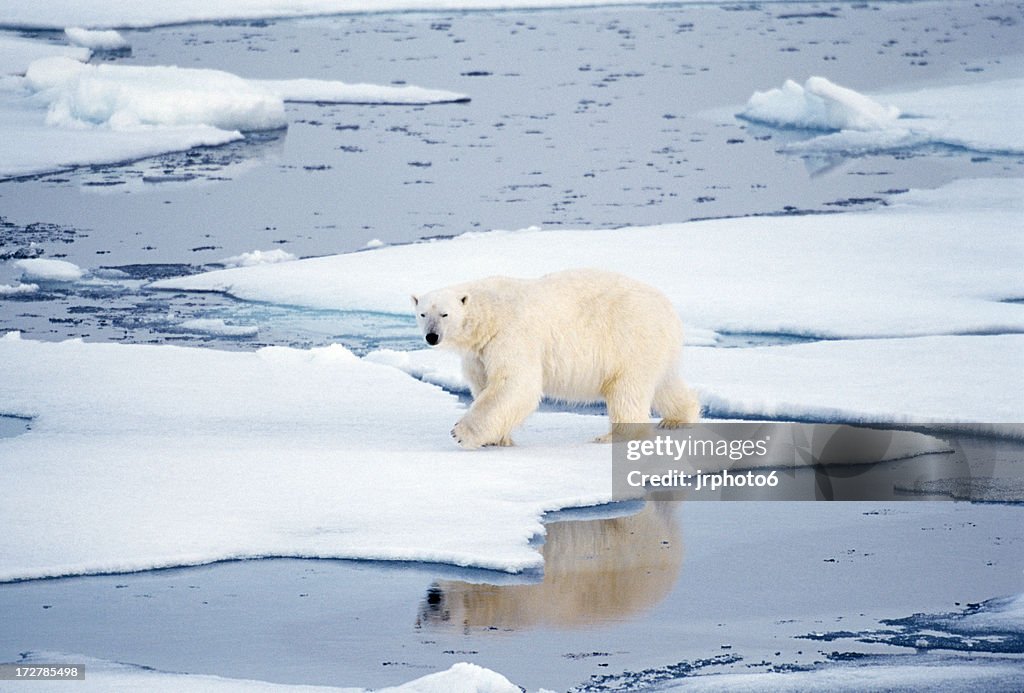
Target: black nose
[432,338]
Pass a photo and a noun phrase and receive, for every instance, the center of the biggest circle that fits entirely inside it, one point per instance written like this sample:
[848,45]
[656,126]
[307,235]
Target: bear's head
[440,314]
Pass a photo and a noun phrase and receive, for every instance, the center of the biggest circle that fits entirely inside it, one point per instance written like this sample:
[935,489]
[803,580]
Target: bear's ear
[463,299]
[415,300]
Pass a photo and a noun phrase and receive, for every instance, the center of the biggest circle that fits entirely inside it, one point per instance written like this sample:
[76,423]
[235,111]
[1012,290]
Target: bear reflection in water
[594,571]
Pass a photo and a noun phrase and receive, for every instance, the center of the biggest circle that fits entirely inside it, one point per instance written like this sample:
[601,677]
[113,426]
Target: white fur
[579,336]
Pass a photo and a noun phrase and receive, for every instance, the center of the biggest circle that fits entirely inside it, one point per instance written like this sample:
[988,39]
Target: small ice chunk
[96,40]
[219,328]
[374,243]
[819,105]
[41,269]
[18,289]
[258,257]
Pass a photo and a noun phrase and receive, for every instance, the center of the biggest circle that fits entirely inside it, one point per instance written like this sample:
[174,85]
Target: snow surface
[108,40]
[65,113]
[57,14]
[16,54]
[104,676]
[981,117]
[42,269]
[901,271]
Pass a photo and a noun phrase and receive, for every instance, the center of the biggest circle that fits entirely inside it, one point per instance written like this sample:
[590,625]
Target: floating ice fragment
[18,289]
[96,40]
[49,270]
[258,257]
[819,105]
[216,326]
[330,91]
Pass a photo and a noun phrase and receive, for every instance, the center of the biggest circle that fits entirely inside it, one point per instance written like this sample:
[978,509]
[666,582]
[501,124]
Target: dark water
[579,119]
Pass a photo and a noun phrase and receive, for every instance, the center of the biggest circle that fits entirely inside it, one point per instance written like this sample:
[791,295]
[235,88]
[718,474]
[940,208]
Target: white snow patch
[97,40]
[899,271]
[980,117]
[258,257]
[41,269]
[103,676]
[375,243]
[18,289]
[216,326]
[16,53]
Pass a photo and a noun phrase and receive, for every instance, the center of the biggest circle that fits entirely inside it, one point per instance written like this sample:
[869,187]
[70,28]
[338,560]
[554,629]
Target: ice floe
[102,676]
[64,113]
[935,262]
[980,116]
[148,456]
[16,54]
[43,269]
[329,91]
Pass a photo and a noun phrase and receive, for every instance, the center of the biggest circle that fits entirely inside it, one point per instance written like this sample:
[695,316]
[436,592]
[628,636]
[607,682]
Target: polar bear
[580,335]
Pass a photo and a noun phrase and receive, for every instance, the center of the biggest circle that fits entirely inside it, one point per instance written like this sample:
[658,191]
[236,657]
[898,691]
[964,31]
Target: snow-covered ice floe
[44,269]
[16,54]
[151,456]
[981,117]
[102,676]
[918,323]
[941,262]
[65,113]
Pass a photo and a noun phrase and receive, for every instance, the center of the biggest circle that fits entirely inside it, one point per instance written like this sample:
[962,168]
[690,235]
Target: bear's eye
[444,315]
[423,315]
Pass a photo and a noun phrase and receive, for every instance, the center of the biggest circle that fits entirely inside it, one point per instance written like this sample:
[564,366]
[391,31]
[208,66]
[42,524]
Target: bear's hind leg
[676,403]
[629,410]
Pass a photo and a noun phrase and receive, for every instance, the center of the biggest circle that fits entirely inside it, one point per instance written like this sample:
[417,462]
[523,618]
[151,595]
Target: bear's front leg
[470,440]
[509,396]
